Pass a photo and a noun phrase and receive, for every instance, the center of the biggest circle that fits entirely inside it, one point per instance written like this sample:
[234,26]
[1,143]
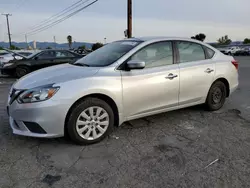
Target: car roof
[153,38]
[55,50]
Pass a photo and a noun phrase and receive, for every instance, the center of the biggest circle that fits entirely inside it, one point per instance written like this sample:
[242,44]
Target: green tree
[13,47]
[200,37]
[69,39]
[1,48]
[224,40]
[96,46]
[48,48]
[246,41]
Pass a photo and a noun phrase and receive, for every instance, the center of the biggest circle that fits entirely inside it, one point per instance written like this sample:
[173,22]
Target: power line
[61,13]
[60,20]
[53,17]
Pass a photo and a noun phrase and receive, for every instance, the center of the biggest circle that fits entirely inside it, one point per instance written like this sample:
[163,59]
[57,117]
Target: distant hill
[43,45]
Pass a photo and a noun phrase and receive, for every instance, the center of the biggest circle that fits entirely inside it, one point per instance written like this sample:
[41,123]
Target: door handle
[171,76]
[208,70]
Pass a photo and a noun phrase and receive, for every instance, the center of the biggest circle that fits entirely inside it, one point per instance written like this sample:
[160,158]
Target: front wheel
[22,71]
[216,96]
[90,121]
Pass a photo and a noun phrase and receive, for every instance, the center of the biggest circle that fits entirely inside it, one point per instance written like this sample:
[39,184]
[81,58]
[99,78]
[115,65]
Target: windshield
[32,55]
[107,54]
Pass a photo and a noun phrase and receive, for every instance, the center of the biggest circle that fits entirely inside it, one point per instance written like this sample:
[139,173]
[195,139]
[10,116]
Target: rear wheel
[216,96]
[22,71]
[90,121]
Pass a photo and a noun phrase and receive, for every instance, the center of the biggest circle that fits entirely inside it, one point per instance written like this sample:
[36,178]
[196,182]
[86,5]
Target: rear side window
[63,54]
[210,53]
[189,51]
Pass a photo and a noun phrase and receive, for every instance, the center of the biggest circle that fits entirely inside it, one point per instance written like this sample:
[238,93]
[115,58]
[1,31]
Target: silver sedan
[121,81]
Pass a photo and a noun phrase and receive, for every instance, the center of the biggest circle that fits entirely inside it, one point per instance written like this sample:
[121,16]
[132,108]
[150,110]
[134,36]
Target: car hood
[54,74]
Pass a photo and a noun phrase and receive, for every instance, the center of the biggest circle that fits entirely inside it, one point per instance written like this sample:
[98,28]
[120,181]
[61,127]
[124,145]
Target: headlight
[37,94]
[7,64]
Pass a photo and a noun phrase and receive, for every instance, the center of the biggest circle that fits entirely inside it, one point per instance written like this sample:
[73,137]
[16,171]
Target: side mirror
[135,64]
[36,58]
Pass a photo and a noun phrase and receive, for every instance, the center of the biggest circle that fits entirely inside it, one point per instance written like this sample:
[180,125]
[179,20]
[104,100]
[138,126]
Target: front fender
[72,91]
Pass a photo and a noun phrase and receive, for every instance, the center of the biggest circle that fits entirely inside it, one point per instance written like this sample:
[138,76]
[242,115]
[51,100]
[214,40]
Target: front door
[196,72]
[154,88]
[44,59]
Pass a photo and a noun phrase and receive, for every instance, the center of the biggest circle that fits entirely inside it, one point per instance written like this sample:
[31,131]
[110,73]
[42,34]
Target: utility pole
[26,40]
[129,31]
[7,18]
[55,41]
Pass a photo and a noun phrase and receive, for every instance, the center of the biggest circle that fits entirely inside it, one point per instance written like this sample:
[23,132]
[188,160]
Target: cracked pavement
[184,148]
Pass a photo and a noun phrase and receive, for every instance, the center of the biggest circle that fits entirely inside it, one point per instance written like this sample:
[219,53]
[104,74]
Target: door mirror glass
[135,64]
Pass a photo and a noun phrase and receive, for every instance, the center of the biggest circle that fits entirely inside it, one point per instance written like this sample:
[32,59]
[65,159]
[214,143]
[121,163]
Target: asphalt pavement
[184,148]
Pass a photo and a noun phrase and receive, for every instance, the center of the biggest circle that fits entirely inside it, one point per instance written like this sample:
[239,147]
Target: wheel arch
[225,81]
[101,96]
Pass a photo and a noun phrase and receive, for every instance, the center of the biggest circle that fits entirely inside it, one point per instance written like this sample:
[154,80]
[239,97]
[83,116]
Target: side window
[47,55]
[189,51]
[155,55]
[210,53]
[61,54]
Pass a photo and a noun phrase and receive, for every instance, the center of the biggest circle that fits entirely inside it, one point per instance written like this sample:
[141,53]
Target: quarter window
[210,53]
[155,55]
[189,51]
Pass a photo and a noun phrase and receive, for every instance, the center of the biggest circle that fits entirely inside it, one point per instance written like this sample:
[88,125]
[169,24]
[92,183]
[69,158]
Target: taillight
[236,64]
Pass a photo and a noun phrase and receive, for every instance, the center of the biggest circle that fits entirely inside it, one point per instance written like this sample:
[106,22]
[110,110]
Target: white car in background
[6,57]
[232,50]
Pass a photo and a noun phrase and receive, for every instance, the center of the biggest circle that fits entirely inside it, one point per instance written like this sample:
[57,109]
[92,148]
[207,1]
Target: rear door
[64,57]
[197,71]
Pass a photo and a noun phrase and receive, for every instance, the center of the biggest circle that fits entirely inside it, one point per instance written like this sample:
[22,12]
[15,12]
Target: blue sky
[107,18]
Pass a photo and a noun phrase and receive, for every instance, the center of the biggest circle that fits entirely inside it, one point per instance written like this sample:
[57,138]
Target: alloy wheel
[92,123]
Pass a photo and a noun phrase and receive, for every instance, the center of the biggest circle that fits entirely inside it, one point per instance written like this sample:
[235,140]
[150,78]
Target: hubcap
[22,72]
[92,123]
[217,96]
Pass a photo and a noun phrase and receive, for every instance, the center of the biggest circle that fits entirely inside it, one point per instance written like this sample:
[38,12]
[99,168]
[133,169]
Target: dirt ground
[184,148]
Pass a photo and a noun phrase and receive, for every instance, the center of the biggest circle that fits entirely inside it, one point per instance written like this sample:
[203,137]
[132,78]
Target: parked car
[81,51]
[122,81]
[10,56]
[37,61]
[230,50]
[243,52]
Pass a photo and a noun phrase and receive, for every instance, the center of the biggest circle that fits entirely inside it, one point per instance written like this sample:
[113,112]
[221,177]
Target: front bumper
[5,71]
[49,115]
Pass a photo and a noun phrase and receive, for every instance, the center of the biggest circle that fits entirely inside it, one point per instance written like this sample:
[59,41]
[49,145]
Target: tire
[90,125]
[216,96]
[22,71]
